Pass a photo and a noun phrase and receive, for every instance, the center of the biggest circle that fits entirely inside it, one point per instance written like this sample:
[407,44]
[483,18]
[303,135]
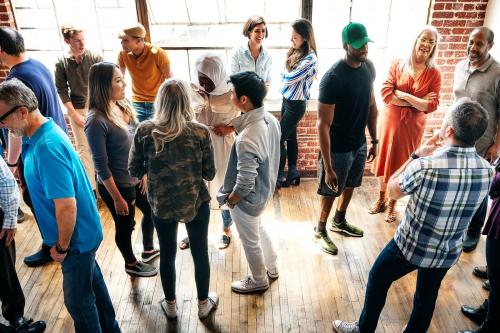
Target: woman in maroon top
[492,230]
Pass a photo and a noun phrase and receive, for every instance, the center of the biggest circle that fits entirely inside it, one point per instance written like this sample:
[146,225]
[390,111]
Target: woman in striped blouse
[300,70]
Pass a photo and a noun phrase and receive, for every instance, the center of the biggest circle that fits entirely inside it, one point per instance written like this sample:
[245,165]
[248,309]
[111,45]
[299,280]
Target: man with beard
[346,106]
[478,77]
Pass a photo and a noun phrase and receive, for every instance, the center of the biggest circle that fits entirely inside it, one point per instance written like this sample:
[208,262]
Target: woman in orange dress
[410,92]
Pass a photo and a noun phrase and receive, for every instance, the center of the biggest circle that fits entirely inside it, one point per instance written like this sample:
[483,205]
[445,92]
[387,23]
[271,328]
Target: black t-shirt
[350,90]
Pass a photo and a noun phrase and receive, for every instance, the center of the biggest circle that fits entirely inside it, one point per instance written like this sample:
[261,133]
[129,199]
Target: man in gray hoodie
[251,178]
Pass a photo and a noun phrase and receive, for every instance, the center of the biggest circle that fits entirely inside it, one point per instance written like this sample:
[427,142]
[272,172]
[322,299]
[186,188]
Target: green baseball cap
[355,34]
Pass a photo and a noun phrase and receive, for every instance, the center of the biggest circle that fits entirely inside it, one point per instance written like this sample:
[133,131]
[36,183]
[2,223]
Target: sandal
[184,244]
[224,242]
[390,216]
[378,207]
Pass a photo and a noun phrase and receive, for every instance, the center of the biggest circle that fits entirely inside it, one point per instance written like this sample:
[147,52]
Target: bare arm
[326,113]
[121,206]
[66,220]
[14,149]
[372,127]
[421,104]
[398,101]
[493,151]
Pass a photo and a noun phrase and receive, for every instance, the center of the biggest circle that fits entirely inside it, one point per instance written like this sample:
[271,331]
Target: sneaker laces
[349,327]
[246,281]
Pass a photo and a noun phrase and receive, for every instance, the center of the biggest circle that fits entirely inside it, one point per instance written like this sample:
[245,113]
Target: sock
[339,216]
[321,227]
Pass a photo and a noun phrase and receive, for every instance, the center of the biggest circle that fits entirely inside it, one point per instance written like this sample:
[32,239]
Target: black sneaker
[20,215]
[471,239]
[148,256]
[40,258]
[141,269]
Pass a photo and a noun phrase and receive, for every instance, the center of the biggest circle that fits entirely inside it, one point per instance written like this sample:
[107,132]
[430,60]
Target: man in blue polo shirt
[64,204]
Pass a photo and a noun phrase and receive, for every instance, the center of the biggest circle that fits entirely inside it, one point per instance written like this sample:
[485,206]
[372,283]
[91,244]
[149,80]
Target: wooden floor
[314,288]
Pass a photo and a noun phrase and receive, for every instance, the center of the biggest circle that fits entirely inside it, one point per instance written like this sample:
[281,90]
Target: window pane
[168,11]
[329,17]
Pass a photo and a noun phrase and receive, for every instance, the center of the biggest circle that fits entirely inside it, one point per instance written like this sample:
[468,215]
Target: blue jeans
[227,221]
[144,110]
[85,294]
[390,266]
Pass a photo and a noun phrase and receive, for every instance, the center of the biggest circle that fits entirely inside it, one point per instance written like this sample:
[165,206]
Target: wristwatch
[414,156]
[60,250]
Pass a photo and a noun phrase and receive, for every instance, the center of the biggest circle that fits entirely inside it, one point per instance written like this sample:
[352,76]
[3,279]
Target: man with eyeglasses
[148,65]
[478,77]
[39,79]
[65,204]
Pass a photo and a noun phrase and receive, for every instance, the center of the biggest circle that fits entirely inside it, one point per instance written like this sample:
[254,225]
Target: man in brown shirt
[148,66]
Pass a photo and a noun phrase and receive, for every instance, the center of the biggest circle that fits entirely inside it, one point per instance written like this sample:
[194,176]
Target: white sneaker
[340,326]
[170,308]
[247,286]
[273,273]
[210,305]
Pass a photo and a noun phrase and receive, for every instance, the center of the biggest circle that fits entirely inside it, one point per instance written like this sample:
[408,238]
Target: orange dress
[400,128]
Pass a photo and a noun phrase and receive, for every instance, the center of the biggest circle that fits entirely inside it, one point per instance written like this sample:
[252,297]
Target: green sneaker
[346,228]
[324,242]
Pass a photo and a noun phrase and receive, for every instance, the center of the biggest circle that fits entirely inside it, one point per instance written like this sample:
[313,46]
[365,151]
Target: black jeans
[197,231]
[11,294]
[124,224]
[493,261]
[390,266]
[477,221]
[291,113]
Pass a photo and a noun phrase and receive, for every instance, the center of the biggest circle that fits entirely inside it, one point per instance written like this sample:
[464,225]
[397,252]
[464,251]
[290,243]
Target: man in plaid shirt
[446,186]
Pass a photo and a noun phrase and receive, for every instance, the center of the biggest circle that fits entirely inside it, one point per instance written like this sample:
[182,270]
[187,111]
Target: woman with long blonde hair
[176,155]
[109,129]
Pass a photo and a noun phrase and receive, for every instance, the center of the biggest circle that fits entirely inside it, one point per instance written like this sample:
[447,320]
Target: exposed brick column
[6,20]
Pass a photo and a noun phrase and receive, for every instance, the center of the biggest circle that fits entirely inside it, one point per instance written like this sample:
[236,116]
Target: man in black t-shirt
[346,106]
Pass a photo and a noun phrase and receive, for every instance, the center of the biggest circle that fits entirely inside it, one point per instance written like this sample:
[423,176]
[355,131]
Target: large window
[187,28]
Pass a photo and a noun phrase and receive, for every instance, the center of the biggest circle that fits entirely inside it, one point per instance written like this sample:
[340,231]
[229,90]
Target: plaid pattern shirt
[9,196]
[446,189]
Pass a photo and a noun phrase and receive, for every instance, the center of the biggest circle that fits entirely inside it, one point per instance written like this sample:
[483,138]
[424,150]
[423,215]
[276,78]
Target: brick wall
[454,19]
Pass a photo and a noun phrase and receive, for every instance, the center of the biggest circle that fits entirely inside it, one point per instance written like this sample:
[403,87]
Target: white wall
[492,21]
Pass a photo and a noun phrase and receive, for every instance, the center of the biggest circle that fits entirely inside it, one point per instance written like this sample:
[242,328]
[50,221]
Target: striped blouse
[297,83]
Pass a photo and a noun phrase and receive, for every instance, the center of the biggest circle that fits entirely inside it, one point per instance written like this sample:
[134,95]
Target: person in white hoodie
[251,179]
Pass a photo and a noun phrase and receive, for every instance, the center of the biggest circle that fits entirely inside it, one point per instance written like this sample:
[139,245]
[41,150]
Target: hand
[223,130]
[79,119]
[429,146]
[121,206]
[399,94]
[431,95]
[56,255]
[372,152]
[9,234]
[492,153]
[331,180]
[143,185]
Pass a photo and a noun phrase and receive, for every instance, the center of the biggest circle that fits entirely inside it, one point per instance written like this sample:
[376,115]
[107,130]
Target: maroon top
[492,227]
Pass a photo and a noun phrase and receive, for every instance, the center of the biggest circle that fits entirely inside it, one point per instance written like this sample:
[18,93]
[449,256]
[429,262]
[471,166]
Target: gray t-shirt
[110,147]
[481,85]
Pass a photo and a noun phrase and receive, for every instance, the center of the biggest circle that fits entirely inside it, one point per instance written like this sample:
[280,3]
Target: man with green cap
[346,107]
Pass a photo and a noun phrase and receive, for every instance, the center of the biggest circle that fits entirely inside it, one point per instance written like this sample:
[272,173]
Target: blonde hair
[68,30]
[100,79]
[172,112]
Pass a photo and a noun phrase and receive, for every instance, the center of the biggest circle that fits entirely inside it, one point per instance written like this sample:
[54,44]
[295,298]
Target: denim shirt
[253,164]
[242,60]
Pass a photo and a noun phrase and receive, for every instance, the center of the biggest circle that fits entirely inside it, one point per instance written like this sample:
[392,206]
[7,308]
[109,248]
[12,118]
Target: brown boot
[390,215]
[380,205]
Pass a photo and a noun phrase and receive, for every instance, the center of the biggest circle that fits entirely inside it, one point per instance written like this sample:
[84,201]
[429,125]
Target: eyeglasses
[8,113]
[430,42]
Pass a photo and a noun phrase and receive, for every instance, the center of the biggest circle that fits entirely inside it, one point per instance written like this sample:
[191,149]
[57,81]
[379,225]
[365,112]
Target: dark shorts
[348,166]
